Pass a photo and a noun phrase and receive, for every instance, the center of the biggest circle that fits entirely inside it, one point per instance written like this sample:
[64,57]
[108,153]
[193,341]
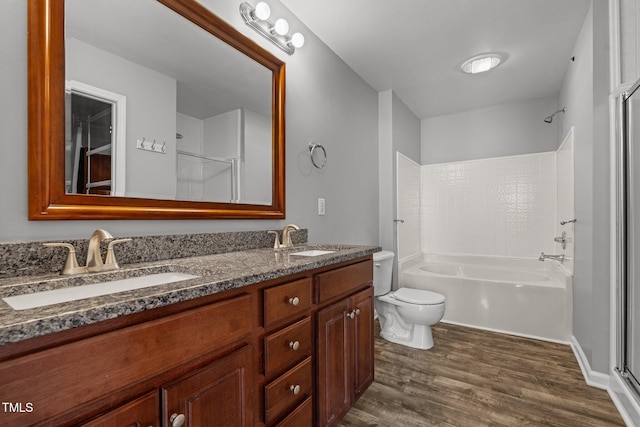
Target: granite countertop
[216,273]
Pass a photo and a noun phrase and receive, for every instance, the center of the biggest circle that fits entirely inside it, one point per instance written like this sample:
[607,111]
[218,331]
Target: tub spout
[555,257]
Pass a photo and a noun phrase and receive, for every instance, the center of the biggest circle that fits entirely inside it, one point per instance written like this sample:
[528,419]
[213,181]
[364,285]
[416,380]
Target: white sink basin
[313,252]
[74,293]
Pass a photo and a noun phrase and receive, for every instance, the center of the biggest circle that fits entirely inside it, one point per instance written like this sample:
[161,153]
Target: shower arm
[549,119]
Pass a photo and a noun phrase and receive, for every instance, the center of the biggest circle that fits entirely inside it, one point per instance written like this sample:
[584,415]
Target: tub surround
[217,272]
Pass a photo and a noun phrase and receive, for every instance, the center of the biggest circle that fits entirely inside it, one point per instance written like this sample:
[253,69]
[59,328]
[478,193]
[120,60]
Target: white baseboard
[593,378]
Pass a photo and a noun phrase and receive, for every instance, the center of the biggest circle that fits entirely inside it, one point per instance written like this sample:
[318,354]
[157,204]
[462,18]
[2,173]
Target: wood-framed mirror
[147,171]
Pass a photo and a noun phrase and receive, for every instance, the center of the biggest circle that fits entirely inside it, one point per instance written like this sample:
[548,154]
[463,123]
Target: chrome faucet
[286,235]
[555,257]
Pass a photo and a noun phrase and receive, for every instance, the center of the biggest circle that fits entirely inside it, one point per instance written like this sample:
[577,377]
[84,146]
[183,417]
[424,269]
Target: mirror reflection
[158,108]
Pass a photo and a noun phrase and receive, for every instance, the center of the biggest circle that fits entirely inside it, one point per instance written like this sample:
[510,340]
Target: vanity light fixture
[481,63]
[258,18]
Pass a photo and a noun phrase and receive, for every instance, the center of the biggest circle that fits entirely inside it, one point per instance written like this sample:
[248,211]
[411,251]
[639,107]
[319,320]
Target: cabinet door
[141,412]
[333,363]
[216,395]
[362,340]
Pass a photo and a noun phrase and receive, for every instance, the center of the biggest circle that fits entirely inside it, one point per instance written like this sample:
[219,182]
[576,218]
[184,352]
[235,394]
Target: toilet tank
[382,272]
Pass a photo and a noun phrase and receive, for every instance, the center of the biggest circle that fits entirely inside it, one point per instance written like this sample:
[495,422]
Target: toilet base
[419,336]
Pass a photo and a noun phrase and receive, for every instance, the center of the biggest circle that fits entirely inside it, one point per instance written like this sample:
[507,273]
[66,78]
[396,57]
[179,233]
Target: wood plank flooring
[479,378]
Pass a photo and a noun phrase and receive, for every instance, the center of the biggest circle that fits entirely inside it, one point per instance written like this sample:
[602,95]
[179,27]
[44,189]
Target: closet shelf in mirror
[98,150]
[106,182]
[207,158]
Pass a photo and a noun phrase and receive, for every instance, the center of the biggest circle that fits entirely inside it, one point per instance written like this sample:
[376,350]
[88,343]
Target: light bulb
[481,63]
[297,40]
[281,26]
[262,11]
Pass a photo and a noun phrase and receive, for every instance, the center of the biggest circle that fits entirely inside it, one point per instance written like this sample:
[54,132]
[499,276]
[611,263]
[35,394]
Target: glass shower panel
[629,364]
[633,233]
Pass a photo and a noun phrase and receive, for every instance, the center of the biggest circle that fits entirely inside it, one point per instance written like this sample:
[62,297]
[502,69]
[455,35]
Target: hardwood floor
[478,378]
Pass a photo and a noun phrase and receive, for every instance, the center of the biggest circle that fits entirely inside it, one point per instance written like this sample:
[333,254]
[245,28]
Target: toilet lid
[418,296]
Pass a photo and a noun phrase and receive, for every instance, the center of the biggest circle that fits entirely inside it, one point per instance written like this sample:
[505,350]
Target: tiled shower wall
[565,199]
[501,206]
[408,193]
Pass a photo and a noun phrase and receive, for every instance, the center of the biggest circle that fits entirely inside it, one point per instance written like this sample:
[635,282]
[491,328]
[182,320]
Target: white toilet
[407,314]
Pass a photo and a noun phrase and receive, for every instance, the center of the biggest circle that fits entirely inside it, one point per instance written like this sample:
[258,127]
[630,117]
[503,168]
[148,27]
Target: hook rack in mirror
[318,155]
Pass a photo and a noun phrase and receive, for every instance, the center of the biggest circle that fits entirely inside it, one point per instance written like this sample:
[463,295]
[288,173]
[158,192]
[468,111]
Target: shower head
[549,119]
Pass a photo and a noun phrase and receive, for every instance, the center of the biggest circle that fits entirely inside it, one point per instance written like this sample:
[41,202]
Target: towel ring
[318,155]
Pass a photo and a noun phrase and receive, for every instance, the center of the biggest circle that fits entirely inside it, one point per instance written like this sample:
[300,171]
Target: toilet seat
[418,296]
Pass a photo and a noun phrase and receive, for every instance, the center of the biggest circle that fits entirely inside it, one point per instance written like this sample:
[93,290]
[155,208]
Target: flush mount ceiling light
[481,63]
[258,19]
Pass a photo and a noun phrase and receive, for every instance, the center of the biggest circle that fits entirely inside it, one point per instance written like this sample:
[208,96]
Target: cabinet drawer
[343,281]
[287,347]
[286,301]
[92,368]
[301,416]
[140,412]
[280,395]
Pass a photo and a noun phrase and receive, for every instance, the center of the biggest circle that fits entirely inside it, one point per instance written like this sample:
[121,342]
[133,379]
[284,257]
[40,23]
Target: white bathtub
[519,296]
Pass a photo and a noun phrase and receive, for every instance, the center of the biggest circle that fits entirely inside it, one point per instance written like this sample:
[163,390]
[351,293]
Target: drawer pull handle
[294,345]
[357,311]
[294,301]
[295,389]
[176,420]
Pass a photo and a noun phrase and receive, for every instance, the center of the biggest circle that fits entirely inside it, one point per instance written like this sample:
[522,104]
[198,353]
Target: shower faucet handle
[562,239]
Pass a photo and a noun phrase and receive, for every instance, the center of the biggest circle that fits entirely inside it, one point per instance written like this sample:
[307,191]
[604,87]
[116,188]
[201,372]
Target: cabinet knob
[176,420]
[294,301]
[354,313]
[295,389]
[294,345]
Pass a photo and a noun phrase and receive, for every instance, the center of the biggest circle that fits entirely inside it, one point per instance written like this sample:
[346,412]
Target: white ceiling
[211,77]
[416,47]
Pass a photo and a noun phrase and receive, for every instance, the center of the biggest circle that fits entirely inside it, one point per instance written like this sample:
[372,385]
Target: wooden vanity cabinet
[142,412]
[287,363]
[322,344]
[345,341]
[215,395]
[98,380]
[290,352]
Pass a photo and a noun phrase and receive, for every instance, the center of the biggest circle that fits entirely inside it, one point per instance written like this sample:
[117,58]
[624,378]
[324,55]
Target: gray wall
[151,101]
[500,130]
[585,93]
[406,131]
[325,102]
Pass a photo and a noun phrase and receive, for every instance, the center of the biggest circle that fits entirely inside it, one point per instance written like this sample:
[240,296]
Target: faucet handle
[110,260]
[71,265]
[276,243]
